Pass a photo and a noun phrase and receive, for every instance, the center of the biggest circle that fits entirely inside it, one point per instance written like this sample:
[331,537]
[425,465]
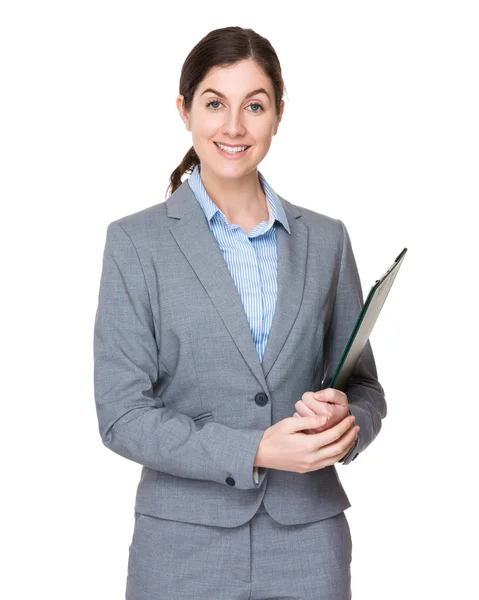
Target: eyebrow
[253,93]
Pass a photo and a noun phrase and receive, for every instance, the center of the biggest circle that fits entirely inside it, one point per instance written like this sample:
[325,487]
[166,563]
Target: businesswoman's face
[233,106]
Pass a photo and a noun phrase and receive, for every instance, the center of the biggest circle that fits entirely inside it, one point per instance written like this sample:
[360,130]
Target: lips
[237,155]
[230,146]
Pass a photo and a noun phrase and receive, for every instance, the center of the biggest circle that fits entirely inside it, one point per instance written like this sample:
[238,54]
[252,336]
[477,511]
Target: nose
[233,124]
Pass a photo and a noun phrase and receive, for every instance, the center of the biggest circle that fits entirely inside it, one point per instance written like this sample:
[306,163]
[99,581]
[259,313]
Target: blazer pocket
[202,418]
[137,516]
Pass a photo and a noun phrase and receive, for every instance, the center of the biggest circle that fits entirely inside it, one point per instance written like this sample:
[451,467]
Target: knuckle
[308,397]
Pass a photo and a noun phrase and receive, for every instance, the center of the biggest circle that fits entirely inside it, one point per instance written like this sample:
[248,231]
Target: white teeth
[231,150]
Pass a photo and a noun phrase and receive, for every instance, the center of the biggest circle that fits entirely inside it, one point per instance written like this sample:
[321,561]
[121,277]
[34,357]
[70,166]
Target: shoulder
[141,219]
[155,219]
[141,226]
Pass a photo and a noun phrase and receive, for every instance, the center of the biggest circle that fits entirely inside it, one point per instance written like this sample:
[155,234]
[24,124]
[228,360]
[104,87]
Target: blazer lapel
[195,239]
[292,258]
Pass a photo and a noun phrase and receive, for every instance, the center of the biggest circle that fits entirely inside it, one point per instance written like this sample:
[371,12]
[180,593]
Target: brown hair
[223,47]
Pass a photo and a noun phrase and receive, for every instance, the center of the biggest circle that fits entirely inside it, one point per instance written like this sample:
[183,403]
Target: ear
[182,112]
[280,116]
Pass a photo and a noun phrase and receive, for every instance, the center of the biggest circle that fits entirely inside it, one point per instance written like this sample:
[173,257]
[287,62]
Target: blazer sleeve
[133,422]
[365,394]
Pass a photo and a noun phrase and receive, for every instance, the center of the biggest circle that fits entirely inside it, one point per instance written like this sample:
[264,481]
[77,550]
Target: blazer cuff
[241,470]
[259,474]
[353,453]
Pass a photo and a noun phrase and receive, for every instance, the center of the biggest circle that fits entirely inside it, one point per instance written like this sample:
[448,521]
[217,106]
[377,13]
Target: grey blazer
[179,387]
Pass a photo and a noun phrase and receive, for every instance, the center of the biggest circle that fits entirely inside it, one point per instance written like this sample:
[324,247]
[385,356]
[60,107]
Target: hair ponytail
[190,160]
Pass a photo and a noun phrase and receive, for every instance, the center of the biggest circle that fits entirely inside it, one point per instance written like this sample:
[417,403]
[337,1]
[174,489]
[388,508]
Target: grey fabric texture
[260,560]
[179,387]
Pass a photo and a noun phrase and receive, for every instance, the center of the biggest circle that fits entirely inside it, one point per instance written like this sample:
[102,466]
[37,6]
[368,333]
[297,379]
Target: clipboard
[364,324]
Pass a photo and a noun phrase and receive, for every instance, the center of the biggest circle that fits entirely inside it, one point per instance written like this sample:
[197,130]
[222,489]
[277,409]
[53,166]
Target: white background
[381,121]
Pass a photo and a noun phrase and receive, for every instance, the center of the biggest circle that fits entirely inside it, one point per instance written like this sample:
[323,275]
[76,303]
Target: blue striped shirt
[251,257]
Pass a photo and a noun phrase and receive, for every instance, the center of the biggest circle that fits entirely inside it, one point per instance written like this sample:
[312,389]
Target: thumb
[309,422]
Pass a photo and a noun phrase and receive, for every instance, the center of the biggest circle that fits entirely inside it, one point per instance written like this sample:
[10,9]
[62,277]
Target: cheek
[207,131]
[264,134]
[264,141]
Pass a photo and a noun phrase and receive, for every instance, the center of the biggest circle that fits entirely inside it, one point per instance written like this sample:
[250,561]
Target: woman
[218,309]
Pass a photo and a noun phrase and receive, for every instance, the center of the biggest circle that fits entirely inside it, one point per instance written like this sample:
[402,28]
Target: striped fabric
[251,257]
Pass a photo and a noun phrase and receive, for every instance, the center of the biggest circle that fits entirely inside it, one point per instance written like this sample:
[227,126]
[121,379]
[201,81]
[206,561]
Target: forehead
[237,79]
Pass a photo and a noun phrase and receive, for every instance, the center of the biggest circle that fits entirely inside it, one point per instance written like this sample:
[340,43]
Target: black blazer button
[261,399]
[230,481]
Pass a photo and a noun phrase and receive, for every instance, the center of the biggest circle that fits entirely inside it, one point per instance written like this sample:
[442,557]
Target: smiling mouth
[232,150]
[236,146]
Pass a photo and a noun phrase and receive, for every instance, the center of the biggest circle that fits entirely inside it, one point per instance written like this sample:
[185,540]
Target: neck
[238,199]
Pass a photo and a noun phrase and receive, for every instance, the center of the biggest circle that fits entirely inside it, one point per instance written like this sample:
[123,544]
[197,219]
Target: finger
[316,406]
[331,460]
[333,433]
[348,438]
[303,409]
[331,395]
[306,430]
[305,422]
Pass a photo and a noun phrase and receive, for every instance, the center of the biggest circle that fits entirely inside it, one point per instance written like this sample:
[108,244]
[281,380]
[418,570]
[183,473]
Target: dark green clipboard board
[364,325]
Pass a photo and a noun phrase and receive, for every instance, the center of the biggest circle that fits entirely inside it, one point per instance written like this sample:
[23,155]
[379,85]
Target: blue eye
[208,105]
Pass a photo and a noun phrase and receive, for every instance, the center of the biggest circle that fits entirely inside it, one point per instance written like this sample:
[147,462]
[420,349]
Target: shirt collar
[275,208]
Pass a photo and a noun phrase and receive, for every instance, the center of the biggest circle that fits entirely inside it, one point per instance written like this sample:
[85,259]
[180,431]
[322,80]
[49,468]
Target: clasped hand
[280,447]
[329,403]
